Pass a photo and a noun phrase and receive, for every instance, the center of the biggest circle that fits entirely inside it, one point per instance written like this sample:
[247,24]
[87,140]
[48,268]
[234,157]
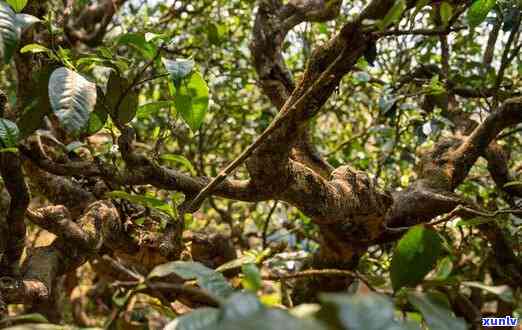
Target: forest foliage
[375,149]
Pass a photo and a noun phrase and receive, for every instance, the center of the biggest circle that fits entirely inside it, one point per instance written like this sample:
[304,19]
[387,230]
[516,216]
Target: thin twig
[320,272]
[492,40]
[186,290]
[139,83]
[349,141]
[267,221]
[457,211]
[281,118]
[118,266]
[445,58]
[506,58]
[508,134]
[515,52]
[137,78]
[424,32]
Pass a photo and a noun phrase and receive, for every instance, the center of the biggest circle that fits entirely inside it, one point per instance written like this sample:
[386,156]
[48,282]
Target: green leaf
[33,117]
[446,12]
[241,305]
[88,62]
[11,26]
[270,319]
[191,100]
[362,77]
[242,311]
[148,201]
[18,5]
[72,98]
[251,277]
[387,105]
[121,297]
[394,15]
[23,21]
[9,32]
[207,278]
[444,269]
[9,133]
[12,150]
[479,10]
[25,318]
[360,312]
[513,183]
[415,256]
[504,292]
[245,311]
[436,87]
[36,326]
[34,48]
[97,119]
[138,41]
[126,106]
[215,33]
[436,314]
[180,160]
[178,69]
[185,270]
[149,36]
[149,109]
[216,284]
[200,319]
[236,263]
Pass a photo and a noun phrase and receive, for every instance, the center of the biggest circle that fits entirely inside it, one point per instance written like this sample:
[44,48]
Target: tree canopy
[269,164]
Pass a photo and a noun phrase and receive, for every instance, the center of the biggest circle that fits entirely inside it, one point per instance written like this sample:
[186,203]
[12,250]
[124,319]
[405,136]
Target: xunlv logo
[499,321]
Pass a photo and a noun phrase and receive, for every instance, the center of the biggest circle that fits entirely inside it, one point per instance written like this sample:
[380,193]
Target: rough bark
[76,243]
[350,209]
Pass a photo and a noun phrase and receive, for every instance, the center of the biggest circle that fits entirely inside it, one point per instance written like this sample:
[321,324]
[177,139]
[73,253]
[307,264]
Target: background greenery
[199,106]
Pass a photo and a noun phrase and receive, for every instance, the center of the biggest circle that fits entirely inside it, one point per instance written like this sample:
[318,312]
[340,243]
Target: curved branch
[13,177]
[142,172]
[446,167]
[498,168]
[476,144]
[100,225]
[59,190]
[57,220]
[273,22]
[90,26]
